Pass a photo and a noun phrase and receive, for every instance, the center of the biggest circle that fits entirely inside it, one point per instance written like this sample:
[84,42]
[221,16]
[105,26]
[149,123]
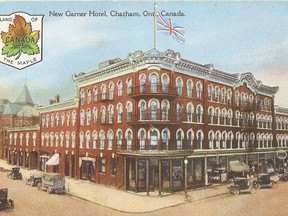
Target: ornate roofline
[173,61]
[68,104]
[26,128]
[281,110]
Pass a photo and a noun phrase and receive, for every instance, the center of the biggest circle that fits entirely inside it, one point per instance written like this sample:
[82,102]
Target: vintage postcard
[143,108]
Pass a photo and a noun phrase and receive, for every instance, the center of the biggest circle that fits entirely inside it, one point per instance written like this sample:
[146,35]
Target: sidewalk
[130,202]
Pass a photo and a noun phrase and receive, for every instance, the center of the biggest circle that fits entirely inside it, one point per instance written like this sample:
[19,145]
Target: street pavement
[130,202]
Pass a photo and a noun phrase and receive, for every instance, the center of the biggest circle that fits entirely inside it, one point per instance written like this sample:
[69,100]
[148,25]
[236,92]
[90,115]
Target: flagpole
[155,36]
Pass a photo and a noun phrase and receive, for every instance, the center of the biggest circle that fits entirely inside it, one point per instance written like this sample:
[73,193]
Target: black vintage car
[4,201]
[263,180]
[15,173]
[35,179]
[241,184]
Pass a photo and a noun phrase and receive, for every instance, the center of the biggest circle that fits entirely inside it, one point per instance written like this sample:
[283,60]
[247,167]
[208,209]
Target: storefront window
[177,175]
[141,174]
[165,174]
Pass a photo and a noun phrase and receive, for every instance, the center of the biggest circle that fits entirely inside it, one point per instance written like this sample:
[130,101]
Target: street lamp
[185,178]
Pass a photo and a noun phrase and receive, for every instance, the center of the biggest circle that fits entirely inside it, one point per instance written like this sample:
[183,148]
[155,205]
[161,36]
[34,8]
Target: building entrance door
[86,170]
[153,174]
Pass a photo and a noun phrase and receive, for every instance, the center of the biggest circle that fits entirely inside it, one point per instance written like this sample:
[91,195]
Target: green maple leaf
[20,39]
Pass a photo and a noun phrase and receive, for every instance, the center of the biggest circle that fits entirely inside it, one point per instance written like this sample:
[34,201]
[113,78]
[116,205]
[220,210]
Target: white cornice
[69,104]
[26,128]
[172,61]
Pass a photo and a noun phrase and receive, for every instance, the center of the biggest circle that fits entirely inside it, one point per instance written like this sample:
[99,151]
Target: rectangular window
[113,166]
[102,164]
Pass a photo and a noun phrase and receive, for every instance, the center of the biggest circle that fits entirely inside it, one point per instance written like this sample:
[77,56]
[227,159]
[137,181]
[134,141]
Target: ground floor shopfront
[148,171]
[23,158]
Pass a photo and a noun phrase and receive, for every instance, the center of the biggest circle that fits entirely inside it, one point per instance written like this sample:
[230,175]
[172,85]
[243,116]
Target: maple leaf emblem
[20,39]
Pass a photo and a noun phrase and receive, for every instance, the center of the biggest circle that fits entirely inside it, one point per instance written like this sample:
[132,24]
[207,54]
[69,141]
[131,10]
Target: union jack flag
[175,31]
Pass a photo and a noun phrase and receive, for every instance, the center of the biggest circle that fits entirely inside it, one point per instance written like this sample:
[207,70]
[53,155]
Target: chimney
[57,98]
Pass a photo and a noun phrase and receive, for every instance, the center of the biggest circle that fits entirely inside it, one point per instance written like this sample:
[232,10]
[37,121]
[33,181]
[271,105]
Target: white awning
[54,160]
[238,166]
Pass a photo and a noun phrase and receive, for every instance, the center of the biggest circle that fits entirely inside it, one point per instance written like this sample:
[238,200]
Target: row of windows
[21,137]
[217,95]
[153,84]
[58,139]
[59,120]
[281,123]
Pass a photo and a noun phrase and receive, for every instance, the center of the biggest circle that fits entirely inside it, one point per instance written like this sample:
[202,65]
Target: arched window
[95,93]
[67,136]
[81,117]
[142,138]
[51,139]
[164,108]
[129,139]
[119,112]
[237,98]
[88,96]
[142,110]
[154,110]
[216,94]
[164,82]
[189,88]
[95,136]
[110,137]
[229,101]
[62,139]
[82,97]
[119,88]
[224,140]
[211,138]
[189,112]
[229,117]
[63,118]
[210,92]
[179,85]
[199,139]
[165,139]
[210,115]
[68,118]
[103,114]
[153,82]
[119,139]
[178,111]
[102,139]
[34,138]
[199,113]
[223,96]
[218,138]
[73,118]
[237,117]
[47,121]
[190,137]
[142,83]
[129,86]
[153,139]
[88,137]
[230,139]
[95,115]
[223,119]
[111,91]
[199,90]
[179,137]
[73,139]
[129,111]
[56,139]
[52,120]
[111,112]
[103,92]
[57,119]
[88,116]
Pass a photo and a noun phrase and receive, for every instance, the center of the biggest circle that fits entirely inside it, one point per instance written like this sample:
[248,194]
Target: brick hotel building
[156,121]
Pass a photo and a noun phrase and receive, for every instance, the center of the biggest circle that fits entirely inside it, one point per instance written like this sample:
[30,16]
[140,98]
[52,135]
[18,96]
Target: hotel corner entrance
[157,174]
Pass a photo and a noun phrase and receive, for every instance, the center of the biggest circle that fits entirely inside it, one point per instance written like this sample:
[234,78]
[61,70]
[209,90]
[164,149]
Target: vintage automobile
[283,176]
[34,179]
[241,184]
[15,173]
[4,201]
[263,180]
[52,183]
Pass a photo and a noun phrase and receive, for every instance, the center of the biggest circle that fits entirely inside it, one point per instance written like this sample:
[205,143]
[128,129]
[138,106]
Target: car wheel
[257,186]
[286,178]
[37,182]
[273,185]
[39,186]
[236,191]
[252,190]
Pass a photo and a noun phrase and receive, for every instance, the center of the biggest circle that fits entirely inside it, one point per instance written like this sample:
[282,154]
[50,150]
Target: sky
[236,37]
